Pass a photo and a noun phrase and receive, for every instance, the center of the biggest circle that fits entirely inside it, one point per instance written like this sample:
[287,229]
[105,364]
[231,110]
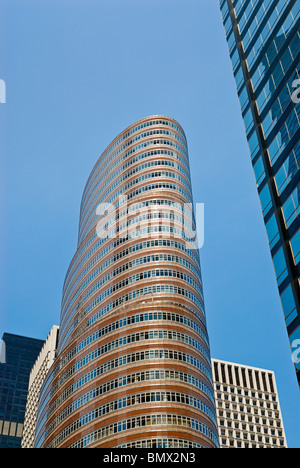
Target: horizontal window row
[260,422]
[137,148]
[142,422]
[102,163]
[254,429]
[269,441]
[232,401]
[121,269]
[121,361]
[129,280]
[250,393]
[157,203]
[161,443]
[139,293]
[136,378]
[157,273]
[153,175]
[137,192]
[127,402]
[132,339]
[138,157]
[133,320]
[123,253]
[120,175]
[250,408]
[149,216]
[153,163]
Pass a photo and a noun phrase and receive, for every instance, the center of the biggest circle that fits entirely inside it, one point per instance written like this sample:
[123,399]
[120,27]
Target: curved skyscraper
[133,367]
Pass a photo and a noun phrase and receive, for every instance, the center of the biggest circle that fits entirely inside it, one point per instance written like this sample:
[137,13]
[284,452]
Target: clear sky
[78,72]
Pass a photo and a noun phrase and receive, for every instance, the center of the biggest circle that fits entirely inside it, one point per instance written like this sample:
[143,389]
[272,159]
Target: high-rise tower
[133,366]
[19,357]
[264,44]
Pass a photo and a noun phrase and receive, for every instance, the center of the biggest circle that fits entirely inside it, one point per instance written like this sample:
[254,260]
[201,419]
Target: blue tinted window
[253,144]
[228,25]
[265,199]
[248,121]
[273,232]
[244,99]
[259,171]
[235,59]
[288,170]
[288,304]
[291,207]
[239,78]
[225,10]
[231,41]
[280,266]
[295,243]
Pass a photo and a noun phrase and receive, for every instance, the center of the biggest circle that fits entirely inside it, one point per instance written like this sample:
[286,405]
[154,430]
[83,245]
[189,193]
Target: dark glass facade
[20,356]
[264,45]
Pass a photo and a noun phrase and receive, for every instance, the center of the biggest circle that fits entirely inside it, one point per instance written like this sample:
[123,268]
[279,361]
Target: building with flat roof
[37,377]
[20,355]
[248,408]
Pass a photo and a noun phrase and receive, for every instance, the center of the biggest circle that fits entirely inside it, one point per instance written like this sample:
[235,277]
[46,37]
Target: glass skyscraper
[133,364]
[264,45]
[20,355]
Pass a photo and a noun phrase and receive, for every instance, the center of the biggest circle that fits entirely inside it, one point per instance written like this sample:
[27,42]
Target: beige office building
[37,377]
[248,409]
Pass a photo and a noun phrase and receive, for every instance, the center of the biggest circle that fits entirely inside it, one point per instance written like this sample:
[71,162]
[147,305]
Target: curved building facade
[133,364]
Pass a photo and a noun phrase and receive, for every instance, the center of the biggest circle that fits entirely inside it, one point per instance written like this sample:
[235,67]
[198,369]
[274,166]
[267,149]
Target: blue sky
[78,72]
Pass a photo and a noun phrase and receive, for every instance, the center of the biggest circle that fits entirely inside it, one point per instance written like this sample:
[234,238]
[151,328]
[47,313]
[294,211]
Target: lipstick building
[133,362]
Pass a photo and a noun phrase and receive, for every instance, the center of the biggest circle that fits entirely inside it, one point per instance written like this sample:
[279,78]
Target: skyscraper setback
[133,362]
[264,45]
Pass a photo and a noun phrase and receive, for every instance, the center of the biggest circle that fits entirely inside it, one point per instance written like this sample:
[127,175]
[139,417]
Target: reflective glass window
[244,99]
[288,304]
[248,121]
[273,231]
[259,171]
[265,199]
[288,170]
[280,266]
[254,144]
[295,243]
[291,207]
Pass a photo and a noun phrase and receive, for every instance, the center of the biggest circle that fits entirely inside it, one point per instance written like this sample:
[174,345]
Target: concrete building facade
[248,408]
